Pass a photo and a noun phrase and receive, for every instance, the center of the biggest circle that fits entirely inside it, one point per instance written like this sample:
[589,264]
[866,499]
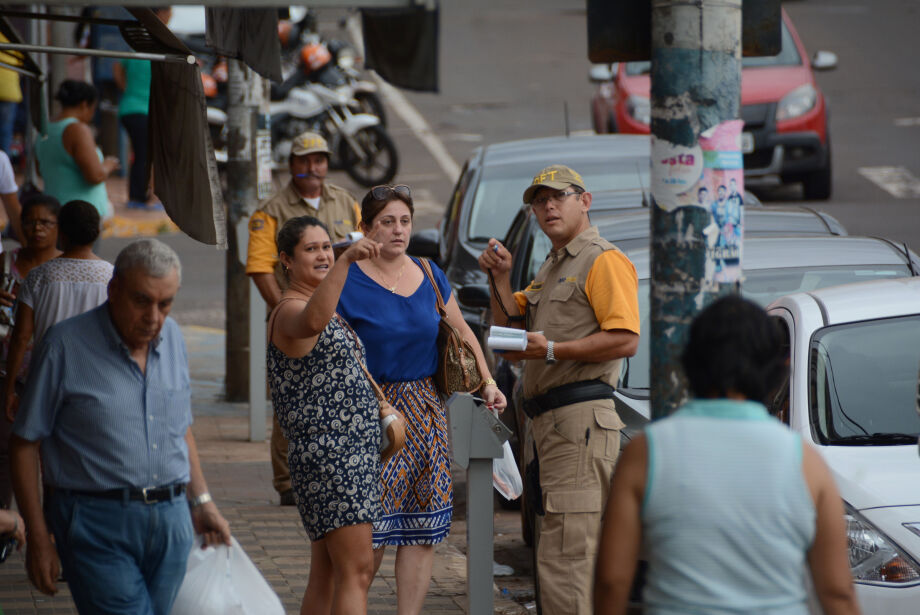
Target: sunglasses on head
[383,192]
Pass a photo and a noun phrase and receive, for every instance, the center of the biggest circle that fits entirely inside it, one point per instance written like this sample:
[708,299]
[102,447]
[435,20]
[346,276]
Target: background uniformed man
[582,316]
[307,194]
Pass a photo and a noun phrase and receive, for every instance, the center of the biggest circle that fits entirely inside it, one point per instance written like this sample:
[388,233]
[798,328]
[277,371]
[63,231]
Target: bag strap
[378,393]
[426,267]
[271,317]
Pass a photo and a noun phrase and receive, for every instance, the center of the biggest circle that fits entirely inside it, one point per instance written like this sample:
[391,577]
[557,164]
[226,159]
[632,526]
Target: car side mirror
[824,60]
[474,295]
[600,73]
[425,244]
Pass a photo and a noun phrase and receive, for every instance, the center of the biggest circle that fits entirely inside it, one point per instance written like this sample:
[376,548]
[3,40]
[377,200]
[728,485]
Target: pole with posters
[697,176]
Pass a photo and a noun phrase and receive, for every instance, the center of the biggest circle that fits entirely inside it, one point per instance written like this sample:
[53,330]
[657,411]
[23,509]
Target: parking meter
[477,436]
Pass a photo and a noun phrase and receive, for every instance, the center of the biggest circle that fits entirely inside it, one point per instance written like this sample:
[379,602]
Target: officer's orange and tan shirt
[585,287]
[338,210]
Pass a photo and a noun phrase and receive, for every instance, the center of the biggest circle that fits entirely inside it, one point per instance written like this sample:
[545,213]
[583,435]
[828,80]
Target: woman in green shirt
[69,161]
[133,78]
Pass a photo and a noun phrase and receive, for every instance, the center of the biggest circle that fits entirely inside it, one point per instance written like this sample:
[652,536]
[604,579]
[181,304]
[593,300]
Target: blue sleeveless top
[400,333]
[727,517]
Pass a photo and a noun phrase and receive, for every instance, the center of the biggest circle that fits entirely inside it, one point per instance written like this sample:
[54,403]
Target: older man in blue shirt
[109,403]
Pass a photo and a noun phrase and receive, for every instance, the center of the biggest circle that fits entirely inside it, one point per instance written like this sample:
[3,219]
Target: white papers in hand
[506,338]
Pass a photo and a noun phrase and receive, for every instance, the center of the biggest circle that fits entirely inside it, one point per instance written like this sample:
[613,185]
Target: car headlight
[639,109]
[874,559]
[797,102]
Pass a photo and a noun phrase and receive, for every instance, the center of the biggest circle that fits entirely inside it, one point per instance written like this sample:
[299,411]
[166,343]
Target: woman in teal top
[69,161]
[133,78]
[730,510]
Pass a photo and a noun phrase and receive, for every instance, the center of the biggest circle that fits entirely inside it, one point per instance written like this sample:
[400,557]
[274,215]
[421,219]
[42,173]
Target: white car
[855,356]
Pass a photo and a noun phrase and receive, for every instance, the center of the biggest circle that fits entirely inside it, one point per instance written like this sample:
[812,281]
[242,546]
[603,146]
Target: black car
[488,195]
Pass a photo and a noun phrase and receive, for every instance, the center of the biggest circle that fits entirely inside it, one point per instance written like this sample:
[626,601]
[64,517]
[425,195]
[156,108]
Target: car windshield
[789,56]
[498,196]
[763,286]
[863,382]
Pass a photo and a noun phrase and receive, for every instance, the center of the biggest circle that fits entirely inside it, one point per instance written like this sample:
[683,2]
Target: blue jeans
[125,558]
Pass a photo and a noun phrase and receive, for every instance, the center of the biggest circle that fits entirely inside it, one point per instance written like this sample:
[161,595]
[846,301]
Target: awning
[179,149]
[179,143]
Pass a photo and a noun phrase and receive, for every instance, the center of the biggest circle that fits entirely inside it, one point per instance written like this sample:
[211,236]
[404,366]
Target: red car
[785,114]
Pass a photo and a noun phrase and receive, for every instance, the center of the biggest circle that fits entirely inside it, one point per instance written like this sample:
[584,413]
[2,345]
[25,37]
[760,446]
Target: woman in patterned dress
[390,303]
[328,412]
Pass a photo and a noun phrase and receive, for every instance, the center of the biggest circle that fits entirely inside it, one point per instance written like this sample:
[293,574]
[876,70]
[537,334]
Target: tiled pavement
[239,477]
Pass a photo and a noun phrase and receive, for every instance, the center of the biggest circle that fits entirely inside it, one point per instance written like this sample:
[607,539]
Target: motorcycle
[332,63]
[358,142]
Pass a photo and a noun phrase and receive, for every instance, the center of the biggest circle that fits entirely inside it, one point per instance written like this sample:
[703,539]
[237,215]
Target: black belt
[572,393]
[147,495]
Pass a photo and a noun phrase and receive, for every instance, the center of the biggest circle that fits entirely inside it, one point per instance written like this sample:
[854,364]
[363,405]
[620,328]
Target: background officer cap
[309,143]
[557,177]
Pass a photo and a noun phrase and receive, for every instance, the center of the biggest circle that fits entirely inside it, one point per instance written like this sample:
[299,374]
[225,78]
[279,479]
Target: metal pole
[696,87]
[127,55]
[244,95]
[479,535]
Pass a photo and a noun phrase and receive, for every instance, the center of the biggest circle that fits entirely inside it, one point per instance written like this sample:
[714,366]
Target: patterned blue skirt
[417,488]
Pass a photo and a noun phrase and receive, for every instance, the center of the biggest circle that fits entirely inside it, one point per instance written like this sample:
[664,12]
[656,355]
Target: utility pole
[245,94]
[696,231]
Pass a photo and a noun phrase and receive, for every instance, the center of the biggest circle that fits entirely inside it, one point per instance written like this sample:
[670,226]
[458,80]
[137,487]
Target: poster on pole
[721,192]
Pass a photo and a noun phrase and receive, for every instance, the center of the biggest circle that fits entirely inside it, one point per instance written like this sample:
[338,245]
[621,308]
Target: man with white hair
[108,404]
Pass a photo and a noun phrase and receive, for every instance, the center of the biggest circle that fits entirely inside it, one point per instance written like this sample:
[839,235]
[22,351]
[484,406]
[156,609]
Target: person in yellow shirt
[581,312]
[307,194]
[10,97]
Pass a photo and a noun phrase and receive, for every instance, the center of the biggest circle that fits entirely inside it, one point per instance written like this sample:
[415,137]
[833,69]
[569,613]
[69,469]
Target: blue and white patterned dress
[330,417]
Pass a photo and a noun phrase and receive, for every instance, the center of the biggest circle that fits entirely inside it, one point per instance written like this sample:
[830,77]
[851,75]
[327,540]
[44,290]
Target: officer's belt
[566,394]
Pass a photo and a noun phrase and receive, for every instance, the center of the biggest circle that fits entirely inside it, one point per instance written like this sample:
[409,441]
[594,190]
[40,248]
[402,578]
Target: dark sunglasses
[384,192]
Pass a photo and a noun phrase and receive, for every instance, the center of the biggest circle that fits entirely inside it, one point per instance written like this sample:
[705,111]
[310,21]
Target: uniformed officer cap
[309,143]
[557,177]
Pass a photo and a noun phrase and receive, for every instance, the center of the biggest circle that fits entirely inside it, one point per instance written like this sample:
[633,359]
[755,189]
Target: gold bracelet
[488,381]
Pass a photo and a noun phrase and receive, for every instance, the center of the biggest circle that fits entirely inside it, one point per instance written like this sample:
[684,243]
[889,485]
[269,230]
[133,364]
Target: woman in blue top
[392,306]
[69,161]
[728,506]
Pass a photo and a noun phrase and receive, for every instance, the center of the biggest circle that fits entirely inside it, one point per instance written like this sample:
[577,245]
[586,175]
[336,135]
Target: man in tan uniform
[307,194]
[582,314]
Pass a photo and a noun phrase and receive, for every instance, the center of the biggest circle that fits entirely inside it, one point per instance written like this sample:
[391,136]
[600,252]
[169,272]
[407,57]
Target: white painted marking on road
[467,137]
[907,121]
[897,181]
[409,114]
[581,133]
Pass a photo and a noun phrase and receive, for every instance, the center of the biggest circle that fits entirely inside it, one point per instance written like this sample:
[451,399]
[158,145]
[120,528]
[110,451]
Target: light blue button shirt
[103,423]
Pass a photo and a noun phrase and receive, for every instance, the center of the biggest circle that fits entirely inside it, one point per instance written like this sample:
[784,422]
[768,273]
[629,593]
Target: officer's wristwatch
[550,356]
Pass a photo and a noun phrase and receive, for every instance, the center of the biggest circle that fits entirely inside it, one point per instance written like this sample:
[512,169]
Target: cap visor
[528,194]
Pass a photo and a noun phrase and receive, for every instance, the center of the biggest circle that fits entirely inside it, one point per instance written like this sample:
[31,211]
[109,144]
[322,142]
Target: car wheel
[816,186]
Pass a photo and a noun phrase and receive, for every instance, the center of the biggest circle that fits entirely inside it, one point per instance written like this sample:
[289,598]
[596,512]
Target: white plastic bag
[505,474]
[223,580]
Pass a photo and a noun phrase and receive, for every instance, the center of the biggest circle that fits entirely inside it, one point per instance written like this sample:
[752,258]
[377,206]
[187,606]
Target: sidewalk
[239,477]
